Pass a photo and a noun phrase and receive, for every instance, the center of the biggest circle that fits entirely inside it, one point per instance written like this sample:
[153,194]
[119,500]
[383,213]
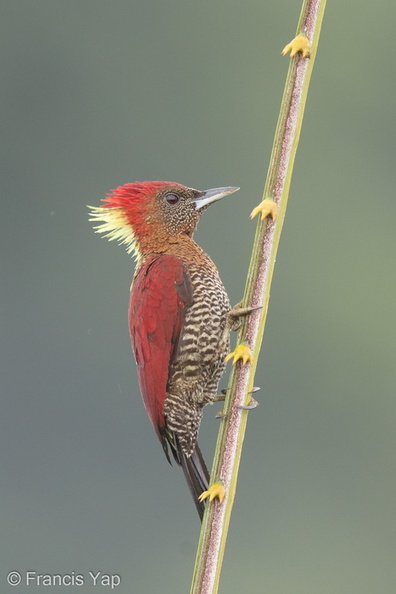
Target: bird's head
[144,214]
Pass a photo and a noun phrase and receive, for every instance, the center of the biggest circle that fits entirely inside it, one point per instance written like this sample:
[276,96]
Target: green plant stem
[257,291]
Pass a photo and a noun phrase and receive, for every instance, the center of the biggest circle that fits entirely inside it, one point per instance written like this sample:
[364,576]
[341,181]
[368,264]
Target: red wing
[160,292]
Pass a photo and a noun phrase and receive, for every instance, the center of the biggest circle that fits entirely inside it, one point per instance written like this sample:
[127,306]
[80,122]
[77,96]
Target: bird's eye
[171,198]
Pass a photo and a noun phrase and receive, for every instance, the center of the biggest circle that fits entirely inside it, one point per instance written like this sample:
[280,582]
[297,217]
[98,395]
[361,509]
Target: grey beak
[213,195]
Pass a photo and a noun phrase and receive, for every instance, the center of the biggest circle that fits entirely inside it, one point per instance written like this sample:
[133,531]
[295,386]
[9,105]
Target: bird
[179,314]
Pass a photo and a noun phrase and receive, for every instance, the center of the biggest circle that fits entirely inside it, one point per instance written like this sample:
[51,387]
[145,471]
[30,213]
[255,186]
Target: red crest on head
[125,209]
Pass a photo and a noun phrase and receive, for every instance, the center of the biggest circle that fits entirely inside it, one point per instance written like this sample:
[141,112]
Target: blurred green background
[96,94]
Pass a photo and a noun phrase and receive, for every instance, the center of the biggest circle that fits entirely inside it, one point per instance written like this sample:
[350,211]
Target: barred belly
[199,364]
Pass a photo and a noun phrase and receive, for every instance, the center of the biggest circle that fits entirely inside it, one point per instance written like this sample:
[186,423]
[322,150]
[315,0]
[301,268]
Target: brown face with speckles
[177,208]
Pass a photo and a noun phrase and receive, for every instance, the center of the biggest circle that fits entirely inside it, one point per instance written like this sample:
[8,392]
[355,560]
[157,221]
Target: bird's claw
[237,312]
[242,352]
[217,490]
[298,44]
[267,207]
[253,404]
[254,390]
[220,397]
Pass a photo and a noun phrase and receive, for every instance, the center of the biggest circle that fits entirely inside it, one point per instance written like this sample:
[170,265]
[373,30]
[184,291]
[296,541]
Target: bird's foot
[252,404]
[239,312]
[236,313]
[242,352]
[267,207]
[298,44]
[217,490]
[220,397]
[254,390]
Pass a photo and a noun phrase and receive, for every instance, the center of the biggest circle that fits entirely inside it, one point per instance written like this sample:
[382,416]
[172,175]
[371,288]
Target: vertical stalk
[257,292]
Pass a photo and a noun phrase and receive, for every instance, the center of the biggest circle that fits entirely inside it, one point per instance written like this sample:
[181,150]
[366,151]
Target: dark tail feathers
[196,473]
